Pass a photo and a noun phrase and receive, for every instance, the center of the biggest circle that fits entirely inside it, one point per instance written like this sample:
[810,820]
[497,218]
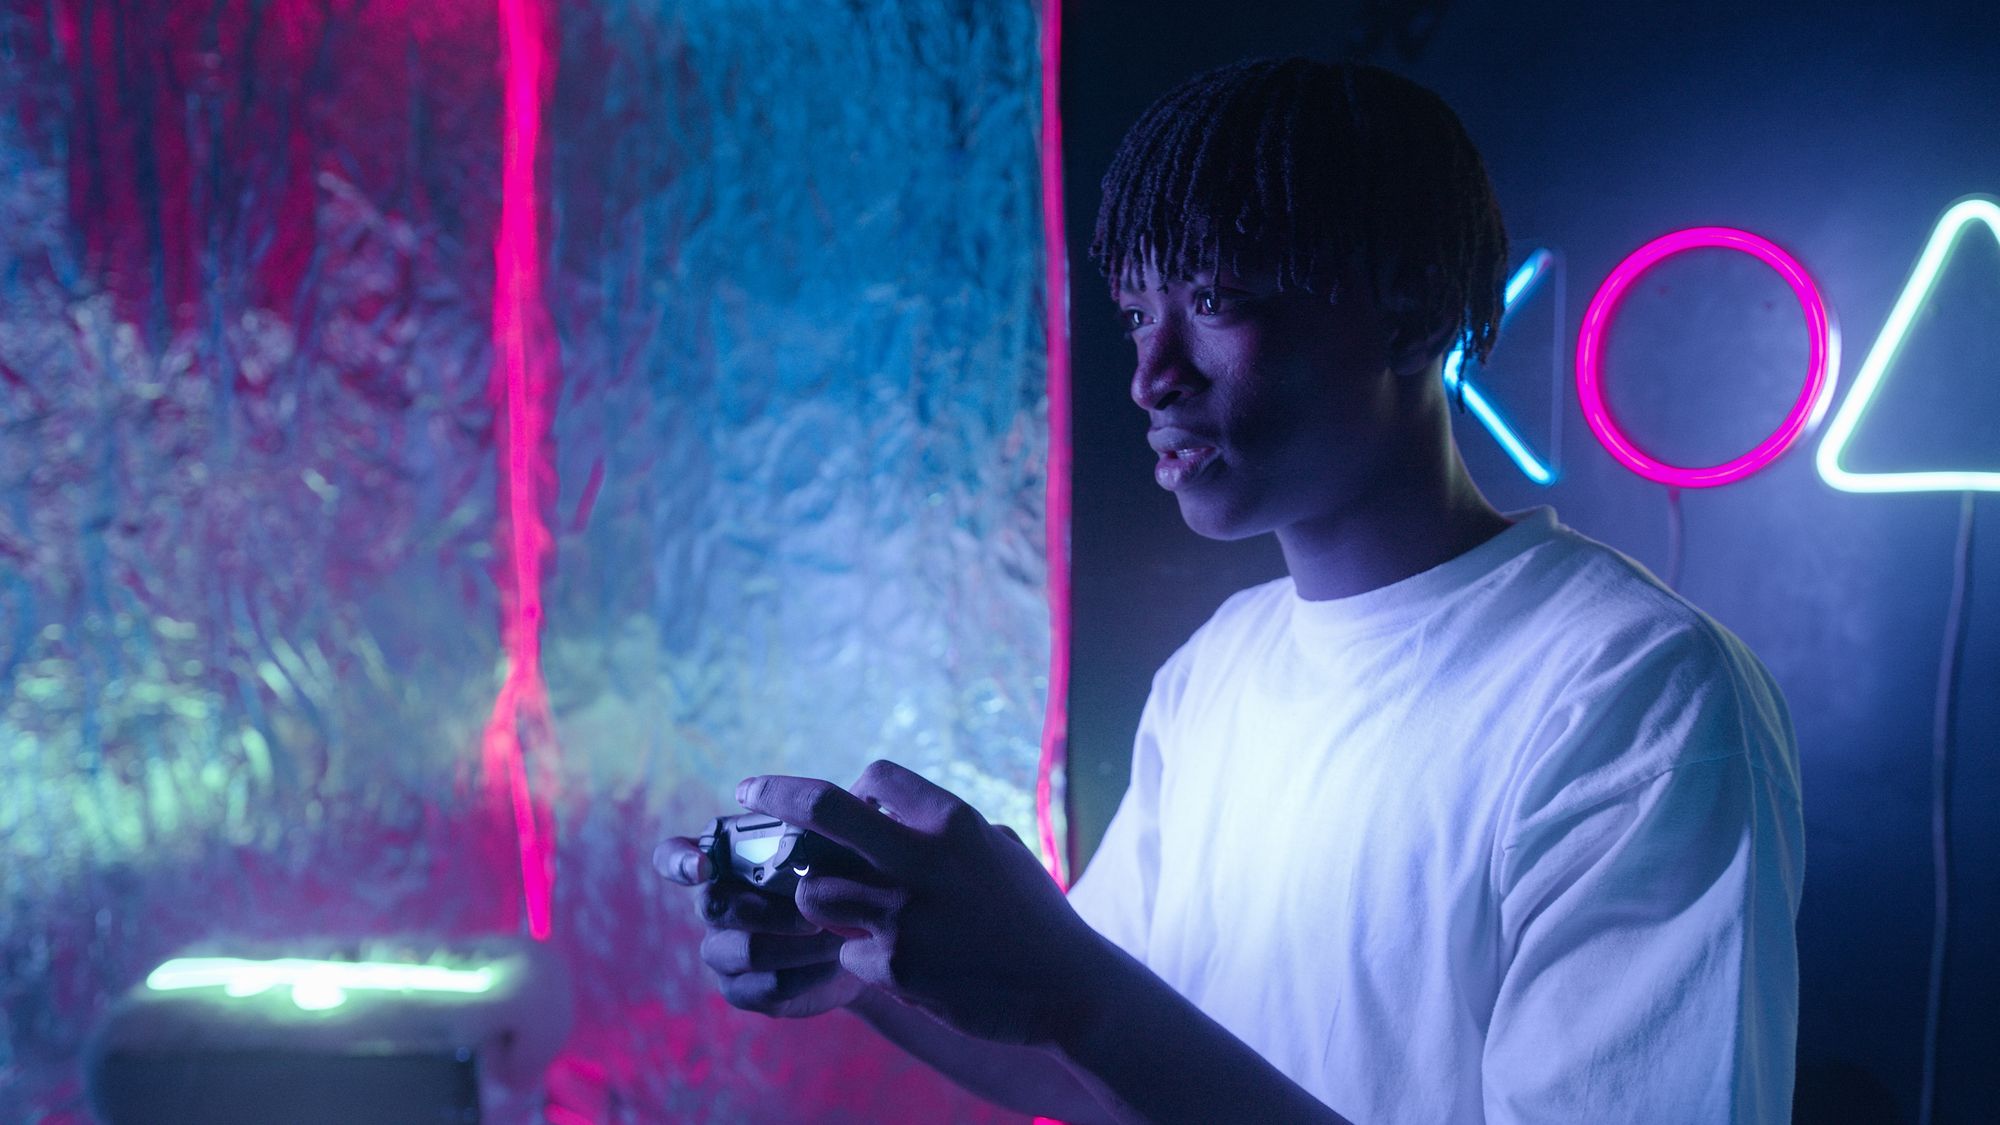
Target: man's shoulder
[1601,608]
[1253,602]
[1619,648]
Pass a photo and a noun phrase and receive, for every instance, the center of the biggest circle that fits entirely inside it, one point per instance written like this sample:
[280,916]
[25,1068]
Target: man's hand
[766,957]
[958,918]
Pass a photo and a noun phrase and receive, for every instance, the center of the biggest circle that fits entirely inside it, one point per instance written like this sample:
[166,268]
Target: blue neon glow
[1519,286]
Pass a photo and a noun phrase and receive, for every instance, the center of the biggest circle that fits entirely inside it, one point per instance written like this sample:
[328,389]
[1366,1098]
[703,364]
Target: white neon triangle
[1923,279]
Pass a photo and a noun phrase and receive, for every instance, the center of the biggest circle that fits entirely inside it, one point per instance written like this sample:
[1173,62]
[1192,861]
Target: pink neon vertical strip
[1055,242]
[1055,721]
[523,357]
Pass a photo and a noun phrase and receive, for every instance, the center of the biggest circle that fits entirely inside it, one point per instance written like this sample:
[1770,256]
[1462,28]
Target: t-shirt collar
[1405,603]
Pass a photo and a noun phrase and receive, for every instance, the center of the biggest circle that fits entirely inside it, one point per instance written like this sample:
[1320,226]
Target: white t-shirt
[1516,839]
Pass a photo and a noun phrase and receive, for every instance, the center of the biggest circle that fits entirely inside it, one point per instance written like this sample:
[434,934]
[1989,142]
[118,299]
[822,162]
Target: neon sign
[1814,397]
[1525,279]
[316,985]
[1944,240]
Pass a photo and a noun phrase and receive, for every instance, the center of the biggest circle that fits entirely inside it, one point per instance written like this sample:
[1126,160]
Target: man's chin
[1212,520]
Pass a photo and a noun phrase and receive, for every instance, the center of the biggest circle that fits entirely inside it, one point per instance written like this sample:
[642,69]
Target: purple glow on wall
[1813,398]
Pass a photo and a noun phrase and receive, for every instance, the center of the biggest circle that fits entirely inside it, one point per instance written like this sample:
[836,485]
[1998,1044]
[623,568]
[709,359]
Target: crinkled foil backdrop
[249,623]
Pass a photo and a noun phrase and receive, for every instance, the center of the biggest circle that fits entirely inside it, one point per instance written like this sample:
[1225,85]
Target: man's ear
[1411,352]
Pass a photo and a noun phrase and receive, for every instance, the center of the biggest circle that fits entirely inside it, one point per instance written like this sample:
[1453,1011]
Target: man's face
[1266,409]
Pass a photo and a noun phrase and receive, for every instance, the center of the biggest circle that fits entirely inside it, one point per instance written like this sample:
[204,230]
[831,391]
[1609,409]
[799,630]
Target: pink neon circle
[1590,348]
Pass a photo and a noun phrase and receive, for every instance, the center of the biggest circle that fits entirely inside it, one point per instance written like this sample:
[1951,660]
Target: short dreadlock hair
[1328,165]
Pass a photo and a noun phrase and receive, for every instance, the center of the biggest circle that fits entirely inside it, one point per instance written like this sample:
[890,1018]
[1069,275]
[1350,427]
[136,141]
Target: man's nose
[1165,373]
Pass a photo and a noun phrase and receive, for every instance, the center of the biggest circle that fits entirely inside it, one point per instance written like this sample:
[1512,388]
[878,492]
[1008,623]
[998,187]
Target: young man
[1465,819]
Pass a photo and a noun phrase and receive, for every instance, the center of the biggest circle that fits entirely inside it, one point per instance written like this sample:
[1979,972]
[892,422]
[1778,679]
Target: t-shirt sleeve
[1116,891]
[1648,889]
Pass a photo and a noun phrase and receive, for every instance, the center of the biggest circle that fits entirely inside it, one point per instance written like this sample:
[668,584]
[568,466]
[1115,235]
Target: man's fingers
[729,952]
[845,907]
[726,906]
[681,859]
[833,812]
[907,796]
[768,992]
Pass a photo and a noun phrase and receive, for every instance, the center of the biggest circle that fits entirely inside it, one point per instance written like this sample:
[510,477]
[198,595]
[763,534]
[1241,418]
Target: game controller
[770,855]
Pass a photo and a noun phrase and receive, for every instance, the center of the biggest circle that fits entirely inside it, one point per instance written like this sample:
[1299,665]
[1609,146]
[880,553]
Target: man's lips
[1172,441]
[1184,456]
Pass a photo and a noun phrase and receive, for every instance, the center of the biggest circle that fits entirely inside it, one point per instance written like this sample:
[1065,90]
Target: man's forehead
[1146,275]
[1140,282]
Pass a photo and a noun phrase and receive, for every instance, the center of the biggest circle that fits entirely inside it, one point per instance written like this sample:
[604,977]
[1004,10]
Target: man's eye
[1219,301]
[1129,320]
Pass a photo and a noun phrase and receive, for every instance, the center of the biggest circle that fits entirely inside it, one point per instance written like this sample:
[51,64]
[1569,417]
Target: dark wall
[1838,131]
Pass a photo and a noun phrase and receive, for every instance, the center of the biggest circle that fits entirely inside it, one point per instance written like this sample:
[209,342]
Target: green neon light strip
[315,985]
[1930,264]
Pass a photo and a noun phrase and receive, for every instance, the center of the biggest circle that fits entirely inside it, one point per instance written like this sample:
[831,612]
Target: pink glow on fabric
[1813,397]
[522,378]
[1055,721]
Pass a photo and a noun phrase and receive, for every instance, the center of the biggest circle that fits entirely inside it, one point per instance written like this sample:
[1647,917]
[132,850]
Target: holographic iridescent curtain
[254,498]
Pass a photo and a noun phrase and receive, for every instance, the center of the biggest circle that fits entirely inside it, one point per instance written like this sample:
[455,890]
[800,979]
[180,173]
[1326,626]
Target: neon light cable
[1943,751]
[1676,537]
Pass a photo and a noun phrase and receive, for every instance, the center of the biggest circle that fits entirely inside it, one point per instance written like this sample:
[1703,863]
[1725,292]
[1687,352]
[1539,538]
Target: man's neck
[1422,520]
